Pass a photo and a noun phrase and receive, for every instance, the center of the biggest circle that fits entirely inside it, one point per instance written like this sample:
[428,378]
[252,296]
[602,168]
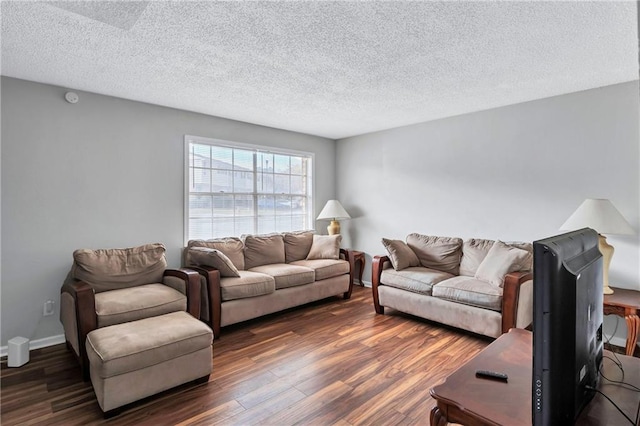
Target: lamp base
[607,253]
[333,228]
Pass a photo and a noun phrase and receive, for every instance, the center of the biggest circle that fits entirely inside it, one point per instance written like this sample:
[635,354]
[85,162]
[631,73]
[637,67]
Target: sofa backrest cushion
[528,263]
[400,254]
[214,258]
[232,247]
[263,250]
[325,247]
[297,245]
[474,250]
[112,269]
[439,253]
[499,261]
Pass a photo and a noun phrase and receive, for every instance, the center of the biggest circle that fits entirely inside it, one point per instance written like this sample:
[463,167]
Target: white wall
[105,172]
[511,173]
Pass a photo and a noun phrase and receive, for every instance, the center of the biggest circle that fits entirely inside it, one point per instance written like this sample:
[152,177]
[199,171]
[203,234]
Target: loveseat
[479,285]
[255,275]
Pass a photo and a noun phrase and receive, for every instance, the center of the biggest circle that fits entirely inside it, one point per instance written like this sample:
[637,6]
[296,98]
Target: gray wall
[511,173]
[105,172]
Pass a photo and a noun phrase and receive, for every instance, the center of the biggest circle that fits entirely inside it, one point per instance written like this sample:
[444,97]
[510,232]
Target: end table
[626,304]
[358,262]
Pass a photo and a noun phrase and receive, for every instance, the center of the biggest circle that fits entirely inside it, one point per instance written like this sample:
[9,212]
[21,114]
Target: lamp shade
[333,210]
[600,215]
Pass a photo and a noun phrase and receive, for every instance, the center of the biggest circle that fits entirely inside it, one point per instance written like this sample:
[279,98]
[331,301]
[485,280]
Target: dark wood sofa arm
[192,286]
[214,295]
[376,271]
[349,258]
[86,319]
[510,297]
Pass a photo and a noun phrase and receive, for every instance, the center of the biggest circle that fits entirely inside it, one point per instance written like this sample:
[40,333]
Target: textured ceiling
[332,69]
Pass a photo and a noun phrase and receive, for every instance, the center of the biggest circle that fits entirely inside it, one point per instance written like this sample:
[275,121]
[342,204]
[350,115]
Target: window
[234,189]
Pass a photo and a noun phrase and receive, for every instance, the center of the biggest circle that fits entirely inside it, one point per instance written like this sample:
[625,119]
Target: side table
[358,262]
[626,304]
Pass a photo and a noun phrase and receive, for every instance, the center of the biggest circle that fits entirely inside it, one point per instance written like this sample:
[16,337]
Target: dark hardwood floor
[331,362]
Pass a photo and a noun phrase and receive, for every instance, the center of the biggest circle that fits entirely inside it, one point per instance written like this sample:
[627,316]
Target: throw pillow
[474,250]
[215,259]
[232,247]
[297,245]
[400,254]
[263,250]
[501,260]
[325,247]
[439,253]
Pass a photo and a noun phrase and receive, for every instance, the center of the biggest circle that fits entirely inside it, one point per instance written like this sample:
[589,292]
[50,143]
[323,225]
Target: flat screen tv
[567,325]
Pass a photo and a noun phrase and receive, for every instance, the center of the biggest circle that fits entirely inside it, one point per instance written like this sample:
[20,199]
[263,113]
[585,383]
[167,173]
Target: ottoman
[133,360]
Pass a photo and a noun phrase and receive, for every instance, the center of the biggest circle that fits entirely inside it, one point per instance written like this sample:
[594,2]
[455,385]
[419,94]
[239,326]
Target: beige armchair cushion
[501,260]
[287,275]
[232,247]
[469,291]
[297,245]
[440,253]
[110,269]
[400,254]
[416,279]
[214,258]
[325,247]
[263,250]
[249,284]
[134,303]
[325,268]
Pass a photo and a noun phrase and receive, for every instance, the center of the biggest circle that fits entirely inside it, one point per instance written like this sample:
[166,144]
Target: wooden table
[463,398]
[358,262]
[626,304]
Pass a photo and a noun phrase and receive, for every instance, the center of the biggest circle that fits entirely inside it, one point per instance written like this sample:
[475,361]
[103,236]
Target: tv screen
[567,325]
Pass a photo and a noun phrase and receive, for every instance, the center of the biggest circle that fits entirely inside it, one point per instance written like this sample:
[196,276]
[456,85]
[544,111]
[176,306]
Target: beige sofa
[479,285]
[248,277]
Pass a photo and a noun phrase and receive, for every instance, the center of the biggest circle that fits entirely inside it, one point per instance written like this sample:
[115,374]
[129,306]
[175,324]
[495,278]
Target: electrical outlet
[47,309]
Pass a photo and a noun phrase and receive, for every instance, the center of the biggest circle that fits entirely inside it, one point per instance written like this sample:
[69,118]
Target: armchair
[112,286]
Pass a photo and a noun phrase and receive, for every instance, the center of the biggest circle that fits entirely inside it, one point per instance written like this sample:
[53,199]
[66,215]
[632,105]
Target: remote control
[492,375]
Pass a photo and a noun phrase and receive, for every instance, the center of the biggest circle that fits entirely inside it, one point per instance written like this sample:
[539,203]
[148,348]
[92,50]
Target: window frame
[246,146]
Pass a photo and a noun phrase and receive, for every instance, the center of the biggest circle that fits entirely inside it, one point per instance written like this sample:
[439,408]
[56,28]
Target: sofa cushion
[110,269]
[469,291]
[474,250]
[439,253]
[297,245]
[501,260]
[325,268]
[232,247]
[263,250]
[417,279]
[287,275]
[214,258]
[400,254]
[527,265]
[325,247]
[249,284]
[134,303]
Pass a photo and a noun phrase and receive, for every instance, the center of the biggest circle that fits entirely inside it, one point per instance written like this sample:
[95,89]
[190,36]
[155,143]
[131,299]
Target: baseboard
[37,344]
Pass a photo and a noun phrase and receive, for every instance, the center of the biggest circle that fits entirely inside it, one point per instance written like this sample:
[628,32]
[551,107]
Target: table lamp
[603,217]
[333,211]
